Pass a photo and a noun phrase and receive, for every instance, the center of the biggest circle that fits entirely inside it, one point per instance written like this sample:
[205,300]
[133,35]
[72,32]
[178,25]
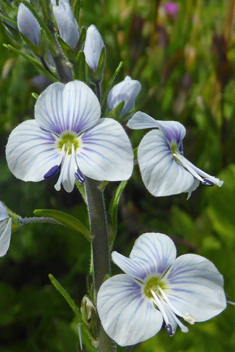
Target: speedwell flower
[164,169]
[5,230]
[68,136]
[126,91]
[157,289]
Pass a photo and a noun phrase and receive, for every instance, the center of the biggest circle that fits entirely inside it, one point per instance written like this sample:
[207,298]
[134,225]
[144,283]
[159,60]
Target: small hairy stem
[41,219]
[100,249]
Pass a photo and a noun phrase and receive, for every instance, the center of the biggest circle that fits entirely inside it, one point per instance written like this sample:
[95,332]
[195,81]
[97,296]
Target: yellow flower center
[68,141]
[153,284]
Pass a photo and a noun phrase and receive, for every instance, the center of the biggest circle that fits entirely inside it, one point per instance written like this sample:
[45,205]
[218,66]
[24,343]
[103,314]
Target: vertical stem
[100,249]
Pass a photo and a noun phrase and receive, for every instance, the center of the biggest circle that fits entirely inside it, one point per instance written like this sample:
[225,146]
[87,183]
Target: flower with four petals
[68,137]
[156,289]
[164,169]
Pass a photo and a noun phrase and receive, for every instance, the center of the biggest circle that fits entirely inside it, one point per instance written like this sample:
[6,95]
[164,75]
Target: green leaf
[113,208]
[66,220]
[8,19]
[116,112]
[76,9]
[80,67]
[111,83]
[66,296]
[71,303]
[33,61]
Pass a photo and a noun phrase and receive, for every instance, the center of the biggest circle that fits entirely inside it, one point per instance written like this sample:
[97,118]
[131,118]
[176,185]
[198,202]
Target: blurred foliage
[186,67]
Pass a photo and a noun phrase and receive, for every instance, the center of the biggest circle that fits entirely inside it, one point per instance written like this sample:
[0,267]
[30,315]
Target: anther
[52,172]
[79,176]
[169,329]
[207,182]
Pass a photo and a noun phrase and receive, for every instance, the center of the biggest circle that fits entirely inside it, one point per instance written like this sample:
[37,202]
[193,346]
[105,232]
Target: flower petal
[5,238]
[126,91]
[127,317]
[66,22]
[141,120]
[3,212]
[174,131]
[28,25]
[106,152]
[195,288]
[31,152]
[70,107]
[93,46]
[161,174]
[152,254]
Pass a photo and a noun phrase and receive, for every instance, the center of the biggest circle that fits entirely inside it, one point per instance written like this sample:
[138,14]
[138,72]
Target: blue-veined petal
[195,288]
[31,152]
[174,131]
[141,120]
[66,22]
[161,174]
[5,238]
[105,152]
[3,212]
[70,107]
[156,250]
[134,268]
[28,25]
[126,315]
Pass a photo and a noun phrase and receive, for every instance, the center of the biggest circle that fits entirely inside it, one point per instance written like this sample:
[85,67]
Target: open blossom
[164,169]
[69,137]
[28,25]
[5,230]
[93,46]
[126,91]
[67,25]
[156,289]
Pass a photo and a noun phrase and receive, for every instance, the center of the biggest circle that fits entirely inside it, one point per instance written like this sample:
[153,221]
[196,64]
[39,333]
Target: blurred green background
[185,62]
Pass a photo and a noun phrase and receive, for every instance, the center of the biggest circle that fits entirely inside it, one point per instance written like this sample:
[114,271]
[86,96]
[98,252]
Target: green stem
[100,249]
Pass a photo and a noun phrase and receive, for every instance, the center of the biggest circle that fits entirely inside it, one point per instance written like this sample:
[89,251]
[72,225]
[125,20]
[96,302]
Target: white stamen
[161,308]
[195,171]
[171,313]
[58,183]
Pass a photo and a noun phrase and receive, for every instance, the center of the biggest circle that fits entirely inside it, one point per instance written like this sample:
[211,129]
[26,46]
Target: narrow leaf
[32,60]
[113,208]
[80,67]
[71,303]
[76,9]
[111,83]
[66,220]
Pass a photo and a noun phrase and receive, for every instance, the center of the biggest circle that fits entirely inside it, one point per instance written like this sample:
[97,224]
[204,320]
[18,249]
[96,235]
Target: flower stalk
[100,249]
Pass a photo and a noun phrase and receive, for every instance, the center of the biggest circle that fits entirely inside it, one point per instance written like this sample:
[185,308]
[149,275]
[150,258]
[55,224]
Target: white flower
[126,91]
[28,25]
[164,169]
[68,27]
[5,230]
[157,289]
[93,46]
[68,136]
